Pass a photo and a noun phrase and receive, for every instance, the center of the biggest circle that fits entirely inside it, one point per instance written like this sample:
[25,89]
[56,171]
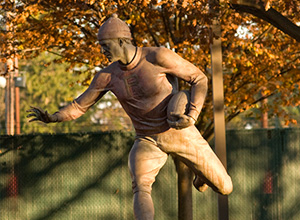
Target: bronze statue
[144,80]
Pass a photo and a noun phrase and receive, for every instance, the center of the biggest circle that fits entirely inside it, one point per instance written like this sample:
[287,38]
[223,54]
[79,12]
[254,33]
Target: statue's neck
[130,52]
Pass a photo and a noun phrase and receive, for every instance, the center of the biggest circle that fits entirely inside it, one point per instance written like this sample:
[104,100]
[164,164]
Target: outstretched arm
[76,108]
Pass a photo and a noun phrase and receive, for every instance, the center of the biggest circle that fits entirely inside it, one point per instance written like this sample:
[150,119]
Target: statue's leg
[192,149]
[145,161]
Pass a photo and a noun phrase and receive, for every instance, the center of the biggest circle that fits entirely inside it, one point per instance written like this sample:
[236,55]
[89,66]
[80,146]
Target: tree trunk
[218,99]
[185,199]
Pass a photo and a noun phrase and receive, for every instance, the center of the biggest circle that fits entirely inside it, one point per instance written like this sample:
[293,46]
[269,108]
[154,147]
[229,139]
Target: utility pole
[9,89]
[218,99]
[17,98]
[264,114]
[12,97]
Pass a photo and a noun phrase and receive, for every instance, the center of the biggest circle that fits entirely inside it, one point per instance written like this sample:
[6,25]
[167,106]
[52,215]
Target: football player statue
[144,80]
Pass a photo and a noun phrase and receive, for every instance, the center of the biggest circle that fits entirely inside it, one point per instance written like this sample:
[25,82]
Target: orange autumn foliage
[259,60]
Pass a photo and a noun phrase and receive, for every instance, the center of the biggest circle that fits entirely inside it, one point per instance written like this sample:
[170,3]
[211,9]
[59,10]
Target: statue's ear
[121,42]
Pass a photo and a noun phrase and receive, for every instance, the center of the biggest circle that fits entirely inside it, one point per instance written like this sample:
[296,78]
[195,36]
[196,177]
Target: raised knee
[227,187]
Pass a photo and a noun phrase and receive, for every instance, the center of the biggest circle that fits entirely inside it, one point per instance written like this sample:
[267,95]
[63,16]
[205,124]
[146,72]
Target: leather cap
[114,28]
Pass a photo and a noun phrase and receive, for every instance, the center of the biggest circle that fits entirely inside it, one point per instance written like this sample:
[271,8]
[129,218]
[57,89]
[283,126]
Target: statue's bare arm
[75,109]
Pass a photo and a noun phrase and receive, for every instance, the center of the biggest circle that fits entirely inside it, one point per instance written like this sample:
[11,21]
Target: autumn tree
[49,86]
[260,60]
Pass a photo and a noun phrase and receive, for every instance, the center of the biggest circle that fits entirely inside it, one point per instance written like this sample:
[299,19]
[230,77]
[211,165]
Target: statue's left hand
[38,114]
[182,121]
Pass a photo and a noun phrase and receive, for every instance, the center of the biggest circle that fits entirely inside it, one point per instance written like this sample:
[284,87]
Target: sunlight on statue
[144,80]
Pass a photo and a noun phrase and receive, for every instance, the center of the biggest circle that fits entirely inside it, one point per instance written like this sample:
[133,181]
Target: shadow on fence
[85,176]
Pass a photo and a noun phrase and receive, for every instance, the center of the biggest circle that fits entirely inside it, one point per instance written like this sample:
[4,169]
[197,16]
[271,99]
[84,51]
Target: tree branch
[271,16]
[151,33]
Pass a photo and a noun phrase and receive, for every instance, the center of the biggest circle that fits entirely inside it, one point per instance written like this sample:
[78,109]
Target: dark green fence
[265,167]
[85,177]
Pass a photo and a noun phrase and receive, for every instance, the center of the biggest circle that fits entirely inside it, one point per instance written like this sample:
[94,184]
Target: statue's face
[111,49]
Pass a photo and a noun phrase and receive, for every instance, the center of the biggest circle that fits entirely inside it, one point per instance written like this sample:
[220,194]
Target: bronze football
[178,105]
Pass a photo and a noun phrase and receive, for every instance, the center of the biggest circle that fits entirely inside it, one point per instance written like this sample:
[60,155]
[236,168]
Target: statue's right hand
[180,121]
[38,114]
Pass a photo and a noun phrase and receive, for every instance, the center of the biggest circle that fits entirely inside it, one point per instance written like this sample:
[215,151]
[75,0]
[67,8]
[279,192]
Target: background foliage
[259,60]
[51,86]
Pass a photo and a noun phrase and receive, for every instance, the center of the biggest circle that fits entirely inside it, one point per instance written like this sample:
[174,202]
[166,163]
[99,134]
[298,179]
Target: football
[178,105]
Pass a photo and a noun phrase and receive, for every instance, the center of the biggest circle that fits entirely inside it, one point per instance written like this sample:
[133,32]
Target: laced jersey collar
[134,61]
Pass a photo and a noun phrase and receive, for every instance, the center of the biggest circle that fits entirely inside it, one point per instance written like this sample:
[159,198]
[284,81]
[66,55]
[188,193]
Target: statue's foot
[199,184]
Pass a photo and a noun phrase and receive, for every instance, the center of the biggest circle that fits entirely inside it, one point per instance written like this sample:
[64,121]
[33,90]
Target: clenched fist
[181,121]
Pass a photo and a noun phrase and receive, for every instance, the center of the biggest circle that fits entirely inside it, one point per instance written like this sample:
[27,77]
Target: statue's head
[112,35]
[114,28]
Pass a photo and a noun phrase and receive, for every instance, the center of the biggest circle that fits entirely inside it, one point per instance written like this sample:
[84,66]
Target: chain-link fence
[85,177]
[264,165]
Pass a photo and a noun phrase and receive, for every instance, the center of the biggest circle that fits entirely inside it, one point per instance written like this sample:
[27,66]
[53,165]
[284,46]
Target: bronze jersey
[144,88]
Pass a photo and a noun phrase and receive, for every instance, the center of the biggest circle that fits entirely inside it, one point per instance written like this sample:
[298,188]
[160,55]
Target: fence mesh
[85,176]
